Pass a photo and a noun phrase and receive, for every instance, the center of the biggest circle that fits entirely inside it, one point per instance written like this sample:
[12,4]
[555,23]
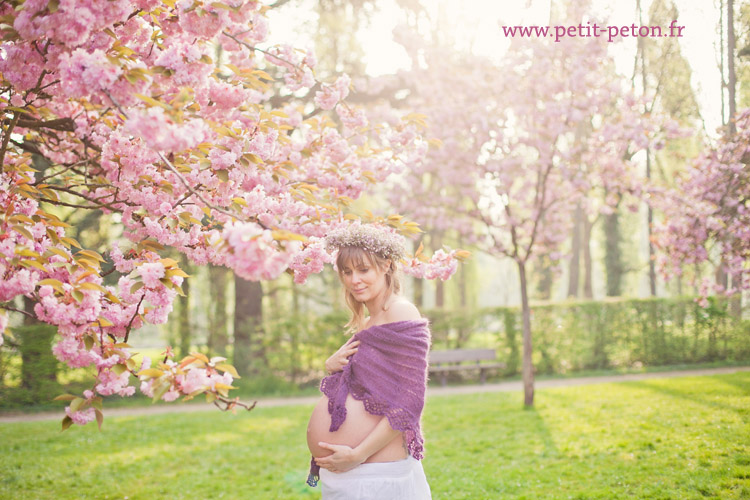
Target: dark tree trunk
[184,330]
[218,336]
[575,258]
[528,366]
[248,326]
[588,288]
[38,364]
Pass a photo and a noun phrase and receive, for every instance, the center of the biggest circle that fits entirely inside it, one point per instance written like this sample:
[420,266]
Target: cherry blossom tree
[246,161]
[710,205]
[525,140]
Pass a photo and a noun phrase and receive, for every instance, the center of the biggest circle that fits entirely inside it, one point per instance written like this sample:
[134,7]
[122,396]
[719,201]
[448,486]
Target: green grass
[680,438]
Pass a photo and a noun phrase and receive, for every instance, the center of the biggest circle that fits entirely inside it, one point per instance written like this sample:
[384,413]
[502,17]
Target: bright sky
[479,21]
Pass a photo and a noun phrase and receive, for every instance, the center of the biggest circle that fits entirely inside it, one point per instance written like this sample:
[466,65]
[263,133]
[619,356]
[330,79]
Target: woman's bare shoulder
[402,310]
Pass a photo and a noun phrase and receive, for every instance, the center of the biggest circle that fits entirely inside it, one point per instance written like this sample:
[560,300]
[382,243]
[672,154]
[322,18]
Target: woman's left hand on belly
[344,458]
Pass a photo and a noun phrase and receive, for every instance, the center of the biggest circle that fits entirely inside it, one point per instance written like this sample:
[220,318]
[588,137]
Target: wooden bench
[454,360]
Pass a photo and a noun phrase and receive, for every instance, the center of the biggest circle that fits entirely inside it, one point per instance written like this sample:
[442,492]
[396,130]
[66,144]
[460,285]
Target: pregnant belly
[356,427]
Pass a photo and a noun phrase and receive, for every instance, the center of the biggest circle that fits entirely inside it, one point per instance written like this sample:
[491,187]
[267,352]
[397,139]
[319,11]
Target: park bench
[456,360]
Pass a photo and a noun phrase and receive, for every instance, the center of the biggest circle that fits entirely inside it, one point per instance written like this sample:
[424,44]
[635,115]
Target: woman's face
[363,279]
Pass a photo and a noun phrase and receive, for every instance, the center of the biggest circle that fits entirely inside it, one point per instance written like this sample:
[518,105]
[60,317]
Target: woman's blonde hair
[356,257]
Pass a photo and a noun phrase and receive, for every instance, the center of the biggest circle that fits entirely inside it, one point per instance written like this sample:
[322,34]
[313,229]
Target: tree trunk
[575,258]
[588,288]
[732,74]
[38,364]
[437,243]
[544,286]
[184,330]
[418,292]
[650,219]
[528,366]
[721,60]
[218,336]
[248,317]
[613,254]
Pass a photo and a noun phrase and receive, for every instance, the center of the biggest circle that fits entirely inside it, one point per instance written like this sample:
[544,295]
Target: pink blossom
[160,133]
[330,95]
[82,72]
[81,417]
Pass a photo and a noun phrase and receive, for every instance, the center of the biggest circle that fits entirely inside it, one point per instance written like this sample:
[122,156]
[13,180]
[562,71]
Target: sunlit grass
[686,438]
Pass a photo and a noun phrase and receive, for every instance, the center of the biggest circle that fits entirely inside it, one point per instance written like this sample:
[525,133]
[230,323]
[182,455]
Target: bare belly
[356,427]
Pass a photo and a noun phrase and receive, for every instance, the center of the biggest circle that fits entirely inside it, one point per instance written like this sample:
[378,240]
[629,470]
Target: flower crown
[372,238]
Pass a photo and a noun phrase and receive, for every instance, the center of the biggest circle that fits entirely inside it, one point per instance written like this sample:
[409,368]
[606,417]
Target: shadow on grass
[693,393]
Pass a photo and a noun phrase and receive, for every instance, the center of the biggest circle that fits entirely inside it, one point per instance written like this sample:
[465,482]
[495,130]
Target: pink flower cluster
[256,255]
[441,266]
[159,132]
[330,95]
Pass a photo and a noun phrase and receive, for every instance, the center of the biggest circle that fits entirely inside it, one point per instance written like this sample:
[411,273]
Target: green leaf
[223,175]
[88,341]
[99,417]
[137,286]
[151,372]
[160,391]
[226,367]
[75,405]
[56,284]
[119,369]
[65,397]
[153,102]
[66,422]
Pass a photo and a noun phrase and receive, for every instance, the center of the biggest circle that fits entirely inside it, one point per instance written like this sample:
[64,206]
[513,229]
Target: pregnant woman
[365,432]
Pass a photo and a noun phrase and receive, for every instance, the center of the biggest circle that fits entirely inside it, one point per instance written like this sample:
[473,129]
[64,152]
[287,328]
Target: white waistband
[380,469]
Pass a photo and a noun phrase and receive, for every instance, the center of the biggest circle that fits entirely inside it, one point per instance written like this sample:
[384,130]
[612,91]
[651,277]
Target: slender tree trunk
[437,243]
[721,61]
[650,222]
[544,286]
[732,74]
[218,336]
[528,364]
[575,258]
[735,302]
[248,317]
[294,335]
[588,288]
[418,292]
[184,332]
[613,254]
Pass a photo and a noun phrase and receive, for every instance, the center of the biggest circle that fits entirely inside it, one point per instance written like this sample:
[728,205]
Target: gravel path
[432,391]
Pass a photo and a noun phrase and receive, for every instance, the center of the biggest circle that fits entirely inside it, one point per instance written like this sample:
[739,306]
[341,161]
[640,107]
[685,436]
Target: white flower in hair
[375,239]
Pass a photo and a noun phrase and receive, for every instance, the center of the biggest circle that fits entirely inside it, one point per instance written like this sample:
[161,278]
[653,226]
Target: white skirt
[402,480]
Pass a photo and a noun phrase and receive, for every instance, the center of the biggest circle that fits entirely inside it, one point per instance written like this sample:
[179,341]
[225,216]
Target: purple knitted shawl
[388,373]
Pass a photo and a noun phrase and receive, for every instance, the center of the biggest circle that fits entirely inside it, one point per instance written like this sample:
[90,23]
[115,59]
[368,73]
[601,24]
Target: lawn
[680,438]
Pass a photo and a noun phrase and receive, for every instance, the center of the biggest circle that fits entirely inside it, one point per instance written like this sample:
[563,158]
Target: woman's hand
[339,359]
[344,458]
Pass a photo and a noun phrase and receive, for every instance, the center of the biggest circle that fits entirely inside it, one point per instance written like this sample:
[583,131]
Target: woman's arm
[345,458]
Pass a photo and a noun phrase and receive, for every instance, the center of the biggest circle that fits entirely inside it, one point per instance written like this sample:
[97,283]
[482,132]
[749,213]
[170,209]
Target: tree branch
[180,176]
[11,126]
[8,308]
